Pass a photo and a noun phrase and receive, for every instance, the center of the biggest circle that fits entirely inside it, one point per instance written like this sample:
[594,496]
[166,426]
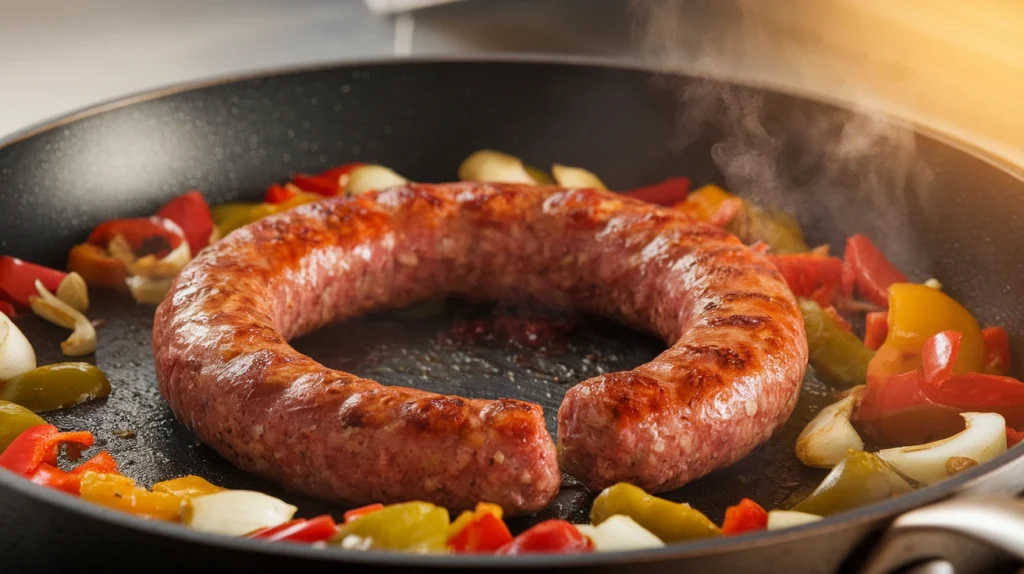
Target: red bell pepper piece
[876,329]
[938,355]
[102,463]
[37,445]
[310,530]
[557,536]
[362,511]
[997,350]
[154,235]
[924,405]
[1013,437]
[53,477]
[192,214]
[668,192]
[328,183]
[810,276]
[487,533]
[872,272]
[744,517]
[18,279]
[7,309]
[279,193]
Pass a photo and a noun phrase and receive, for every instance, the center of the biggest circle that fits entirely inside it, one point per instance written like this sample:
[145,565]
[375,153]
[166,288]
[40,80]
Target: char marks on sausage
[730,376]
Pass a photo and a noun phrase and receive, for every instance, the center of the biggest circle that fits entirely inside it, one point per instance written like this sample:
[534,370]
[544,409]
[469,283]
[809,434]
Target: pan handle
[918,542]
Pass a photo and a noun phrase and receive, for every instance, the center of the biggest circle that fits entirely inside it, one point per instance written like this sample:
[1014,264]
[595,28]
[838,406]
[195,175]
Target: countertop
[956,67]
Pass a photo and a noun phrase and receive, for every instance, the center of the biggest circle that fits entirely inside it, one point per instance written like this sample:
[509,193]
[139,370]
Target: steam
[862,165]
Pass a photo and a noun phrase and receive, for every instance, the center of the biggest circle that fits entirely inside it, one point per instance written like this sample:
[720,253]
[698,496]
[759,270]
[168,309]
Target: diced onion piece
[73,291]
[577,177]
[619,532]
[495,166]
[169,266]
[982,440]
[779,519]
[933,283]
[369,177]
[236,512]
[16,354]
[83,336]
[825,440]
[148,291]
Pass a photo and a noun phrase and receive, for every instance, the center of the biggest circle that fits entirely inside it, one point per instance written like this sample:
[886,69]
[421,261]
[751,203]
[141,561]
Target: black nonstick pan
[939,209]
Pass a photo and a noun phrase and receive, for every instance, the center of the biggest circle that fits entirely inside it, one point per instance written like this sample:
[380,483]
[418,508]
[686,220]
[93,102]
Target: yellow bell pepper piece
[187,487]
[917,312]
[120,493]
[230,216]
[703,203]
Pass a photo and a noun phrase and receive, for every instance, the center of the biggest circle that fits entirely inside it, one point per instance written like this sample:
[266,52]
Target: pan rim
[862,515]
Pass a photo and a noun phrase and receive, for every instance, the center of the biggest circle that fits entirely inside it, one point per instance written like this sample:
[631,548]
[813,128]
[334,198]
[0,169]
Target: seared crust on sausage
[730,377]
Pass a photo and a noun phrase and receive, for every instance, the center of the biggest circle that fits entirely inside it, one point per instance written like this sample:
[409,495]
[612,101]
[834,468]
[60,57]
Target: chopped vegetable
[18,279]
[57,386]
[16,354]
[485,533]
[33,455]
[780,230]
[494,166]
[187,487]
[669,521]
[192,214]
[983,439]
[576,177]
[860,478]
[871,271]
[779,519]
[746,516]
[98,267]
[835,353]
[370,177]
[278,193]
[468,516]
[712,204]
[876,329]
[156,236]
[235,512]
[619,533]
[410,526]
[120,493]
[830,435]
[810,276]
[917,312]
[550,536]
[73,291]
[918,406]
[1013,437]
[231,216]
[83,336]
[997,350]
[357,513]
[14,420]
[668,192]
[318,529]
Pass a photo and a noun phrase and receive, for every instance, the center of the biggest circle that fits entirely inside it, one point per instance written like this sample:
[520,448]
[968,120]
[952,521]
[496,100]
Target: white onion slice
[83,336]
[779,519]
[825,440]
[619,532]
[494,166]
[576,177]
[73,291]
[16,354]
[236,512]
[982,440]
[369,177]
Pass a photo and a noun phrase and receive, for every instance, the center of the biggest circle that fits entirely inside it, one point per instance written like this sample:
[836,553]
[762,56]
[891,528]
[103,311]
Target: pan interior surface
[938,212]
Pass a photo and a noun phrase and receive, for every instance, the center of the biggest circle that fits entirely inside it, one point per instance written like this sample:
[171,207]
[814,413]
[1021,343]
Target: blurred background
[953,66]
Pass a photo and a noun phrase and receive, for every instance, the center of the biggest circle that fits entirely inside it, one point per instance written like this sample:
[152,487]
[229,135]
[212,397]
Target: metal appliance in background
[232,138]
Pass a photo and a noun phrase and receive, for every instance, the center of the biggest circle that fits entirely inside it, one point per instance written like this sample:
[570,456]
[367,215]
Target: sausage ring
[730,377]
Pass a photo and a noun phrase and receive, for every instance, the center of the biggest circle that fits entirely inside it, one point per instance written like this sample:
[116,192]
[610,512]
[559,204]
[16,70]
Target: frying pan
[942,211]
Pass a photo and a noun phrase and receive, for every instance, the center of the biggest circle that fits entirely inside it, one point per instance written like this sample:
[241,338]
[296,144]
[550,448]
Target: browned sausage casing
[731,376]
